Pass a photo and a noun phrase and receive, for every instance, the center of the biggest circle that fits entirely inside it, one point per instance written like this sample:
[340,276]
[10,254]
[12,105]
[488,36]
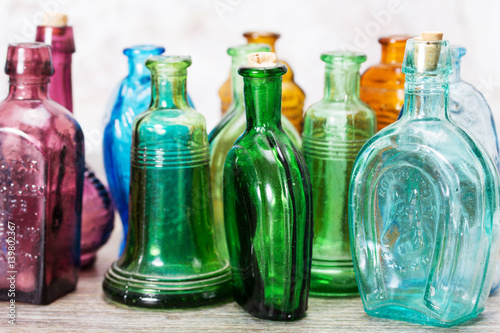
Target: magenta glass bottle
[41,183]
[97,212]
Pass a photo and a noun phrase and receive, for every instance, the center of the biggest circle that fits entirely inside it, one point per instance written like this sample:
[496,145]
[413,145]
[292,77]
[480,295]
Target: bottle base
[267,312]
[401,313]
[333,280]
[140,291]
[87,260]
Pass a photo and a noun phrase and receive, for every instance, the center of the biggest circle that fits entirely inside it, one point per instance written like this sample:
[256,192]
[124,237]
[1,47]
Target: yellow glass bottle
[382,85]
[293,96]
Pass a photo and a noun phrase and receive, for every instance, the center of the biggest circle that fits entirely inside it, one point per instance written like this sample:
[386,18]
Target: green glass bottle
[268,206]
[232,125]
[170,258]
[335,129]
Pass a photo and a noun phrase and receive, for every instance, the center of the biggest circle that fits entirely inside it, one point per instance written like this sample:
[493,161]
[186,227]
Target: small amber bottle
[382,85]
[292,95]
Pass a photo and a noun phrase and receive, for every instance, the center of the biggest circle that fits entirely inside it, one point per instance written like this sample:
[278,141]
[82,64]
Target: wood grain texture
[86,310]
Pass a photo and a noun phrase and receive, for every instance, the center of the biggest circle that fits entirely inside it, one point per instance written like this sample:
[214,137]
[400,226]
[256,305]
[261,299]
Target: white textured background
[204,29]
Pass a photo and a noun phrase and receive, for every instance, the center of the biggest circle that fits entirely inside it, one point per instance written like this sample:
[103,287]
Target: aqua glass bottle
[171,257]
[41,184]
[132,98]
[424,206]
[268,206]
[232,125]
[335,129]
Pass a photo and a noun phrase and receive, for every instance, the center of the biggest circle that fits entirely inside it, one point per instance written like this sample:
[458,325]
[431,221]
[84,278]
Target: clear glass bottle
[41,183]
[132,97]
[232,125]
[293,96]
[382,85]
[97,211]
[335,129]
[171,257]
[268,206]
[424,206]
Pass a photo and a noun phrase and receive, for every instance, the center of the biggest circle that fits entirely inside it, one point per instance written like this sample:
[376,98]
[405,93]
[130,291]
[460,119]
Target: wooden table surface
[86,310]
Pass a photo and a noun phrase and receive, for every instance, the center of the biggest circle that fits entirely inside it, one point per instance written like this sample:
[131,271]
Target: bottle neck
[263,102]
[168,90]
[342,83]
[60,86]
[137,67]
[393,53]
[237,82]
[426,97]
[28,88]
[455,75]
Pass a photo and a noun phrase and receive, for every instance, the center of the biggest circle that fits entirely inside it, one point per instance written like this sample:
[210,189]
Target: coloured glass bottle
[232,125]
[132,97]
[171,258]
[424,205]
[293,96]
[41,183]
[335,129]
[382,85]
[97,208]
[268,206]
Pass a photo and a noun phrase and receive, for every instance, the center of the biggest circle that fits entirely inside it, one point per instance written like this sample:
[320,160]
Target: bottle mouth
[261,34]
[424,57]
[169,63]
[343,57]
[262,72]
[457,51]
[29,59]
[394,39]
[143,50]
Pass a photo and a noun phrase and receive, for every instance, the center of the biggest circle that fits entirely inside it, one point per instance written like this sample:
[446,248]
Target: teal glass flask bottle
[424,205]
[232,125]
[335,129]
[170,258]
[267,203]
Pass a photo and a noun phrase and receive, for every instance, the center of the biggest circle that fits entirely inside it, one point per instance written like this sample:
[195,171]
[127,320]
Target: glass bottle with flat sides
[424,206]
[232,125]
[132,97]
[97,208]
[382,85]
[293,96]
[335,129]
[171,257]
[268,207]
[41,182]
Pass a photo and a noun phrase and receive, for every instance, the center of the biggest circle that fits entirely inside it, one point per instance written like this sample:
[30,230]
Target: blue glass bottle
[132,98]
[424,206]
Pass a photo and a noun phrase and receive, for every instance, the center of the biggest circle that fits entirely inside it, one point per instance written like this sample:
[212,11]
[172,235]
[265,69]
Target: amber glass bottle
[292,96]
[382,85]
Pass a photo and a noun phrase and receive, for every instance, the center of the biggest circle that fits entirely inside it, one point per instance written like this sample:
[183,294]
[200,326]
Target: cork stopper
[262,59]
[53,19]
[427,50]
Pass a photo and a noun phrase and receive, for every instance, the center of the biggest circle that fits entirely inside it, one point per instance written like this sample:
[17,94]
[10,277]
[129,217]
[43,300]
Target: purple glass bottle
[98,212]
[41,183]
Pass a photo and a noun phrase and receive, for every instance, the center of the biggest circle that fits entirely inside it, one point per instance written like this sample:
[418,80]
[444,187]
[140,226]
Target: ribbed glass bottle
[335,129]
[171,258]
[424,206]
[41,183]
[132,97]
[268,206]
[382,85]
[232,125]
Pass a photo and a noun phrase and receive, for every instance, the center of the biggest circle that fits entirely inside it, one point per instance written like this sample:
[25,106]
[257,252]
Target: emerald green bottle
[268,206]
[232,125]
[335,129]
[171,256]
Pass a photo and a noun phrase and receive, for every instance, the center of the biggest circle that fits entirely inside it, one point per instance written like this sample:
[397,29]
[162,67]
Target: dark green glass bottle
[268,206]
[335,130]
[171,258]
